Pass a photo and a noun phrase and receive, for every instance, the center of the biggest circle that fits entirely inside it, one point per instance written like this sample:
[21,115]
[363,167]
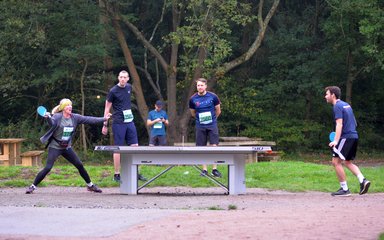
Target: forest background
[268,61]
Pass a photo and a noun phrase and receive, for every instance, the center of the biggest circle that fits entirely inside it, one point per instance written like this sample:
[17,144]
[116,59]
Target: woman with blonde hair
[58,139]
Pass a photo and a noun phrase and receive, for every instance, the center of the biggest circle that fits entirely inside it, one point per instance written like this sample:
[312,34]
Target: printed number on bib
[128,116]
[67,132]
[205,118]
[158,125]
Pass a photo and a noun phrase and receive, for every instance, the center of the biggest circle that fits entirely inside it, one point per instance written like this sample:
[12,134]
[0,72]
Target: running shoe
[341,193]
[364,186]
[216,173]
[141,177]
[94,188]
[116,177]
[30,189]
[204,173]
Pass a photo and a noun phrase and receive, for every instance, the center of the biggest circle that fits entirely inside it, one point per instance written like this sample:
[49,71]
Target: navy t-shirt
[205,109]
[344,111]
[121,101]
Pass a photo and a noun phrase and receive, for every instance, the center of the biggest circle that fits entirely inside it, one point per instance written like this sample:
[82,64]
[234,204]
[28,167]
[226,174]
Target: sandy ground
[187,213]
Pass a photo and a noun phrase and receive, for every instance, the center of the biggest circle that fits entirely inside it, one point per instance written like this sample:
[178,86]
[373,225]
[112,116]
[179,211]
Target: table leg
[128,175]
[236,176]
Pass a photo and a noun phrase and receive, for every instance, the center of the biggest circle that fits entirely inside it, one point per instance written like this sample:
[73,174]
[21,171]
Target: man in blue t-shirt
[344,145]
[205,108]
[157,120]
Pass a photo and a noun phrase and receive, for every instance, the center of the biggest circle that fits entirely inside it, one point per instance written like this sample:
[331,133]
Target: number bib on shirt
[67,132]
[128,116]
[205,118]
[158,125]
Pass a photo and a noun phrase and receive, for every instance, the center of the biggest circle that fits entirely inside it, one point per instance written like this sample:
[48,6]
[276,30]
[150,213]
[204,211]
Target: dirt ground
[207,213]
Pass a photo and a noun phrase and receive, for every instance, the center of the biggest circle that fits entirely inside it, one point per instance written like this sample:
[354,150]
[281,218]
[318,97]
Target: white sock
[33,185]
[90,184]
[344,186]
[360,177]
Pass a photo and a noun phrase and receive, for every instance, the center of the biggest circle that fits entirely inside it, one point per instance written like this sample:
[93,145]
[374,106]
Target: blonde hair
[63,103]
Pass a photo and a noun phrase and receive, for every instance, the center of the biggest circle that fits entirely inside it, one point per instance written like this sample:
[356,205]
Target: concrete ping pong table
[132,157]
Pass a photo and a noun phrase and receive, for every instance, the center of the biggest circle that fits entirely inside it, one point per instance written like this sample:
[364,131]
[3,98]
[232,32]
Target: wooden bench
[246,141]
[10,149]
[31,158]
[272,156]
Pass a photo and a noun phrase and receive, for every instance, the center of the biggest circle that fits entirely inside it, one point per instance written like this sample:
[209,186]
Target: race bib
[128,116]
[205,118]
[158,125]
[67,132]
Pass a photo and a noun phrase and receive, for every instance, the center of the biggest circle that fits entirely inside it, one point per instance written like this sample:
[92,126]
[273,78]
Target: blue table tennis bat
[332,136]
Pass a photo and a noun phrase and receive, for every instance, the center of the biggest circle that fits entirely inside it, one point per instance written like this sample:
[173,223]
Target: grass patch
[232,207]
[302,176]
[381,237]
[215,208]
[291,176]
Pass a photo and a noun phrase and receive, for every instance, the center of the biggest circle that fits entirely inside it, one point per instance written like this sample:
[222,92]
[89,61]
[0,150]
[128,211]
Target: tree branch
[146,44]
[255,45]
[153,34]
[156,88]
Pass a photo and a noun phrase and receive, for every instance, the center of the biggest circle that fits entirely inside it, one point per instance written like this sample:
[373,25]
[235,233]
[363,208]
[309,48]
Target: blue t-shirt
[344,111]
[121,102]
[157,129]
[205,109]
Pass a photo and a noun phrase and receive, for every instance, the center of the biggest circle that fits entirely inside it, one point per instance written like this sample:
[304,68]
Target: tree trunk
[83,134]
[173,130]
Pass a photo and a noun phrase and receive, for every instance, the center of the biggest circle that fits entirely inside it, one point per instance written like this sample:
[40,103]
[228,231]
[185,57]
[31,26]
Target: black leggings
[68,154]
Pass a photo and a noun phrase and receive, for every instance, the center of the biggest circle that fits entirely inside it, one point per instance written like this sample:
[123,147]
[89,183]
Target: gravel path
[188,213]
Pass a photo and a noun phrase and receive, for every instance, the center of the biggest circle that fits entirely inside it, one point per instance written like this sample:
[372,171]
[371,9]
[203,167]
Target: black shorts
[346,149]
[202,135]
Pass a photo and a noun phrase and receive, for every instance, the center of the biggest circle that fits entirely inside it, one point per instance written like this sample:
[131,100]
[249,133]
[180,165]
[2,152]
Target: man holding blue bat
[345,142]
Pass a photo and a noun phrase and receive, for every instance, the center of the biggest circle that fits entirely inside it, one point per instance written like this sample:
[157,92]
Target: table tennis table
[234,157]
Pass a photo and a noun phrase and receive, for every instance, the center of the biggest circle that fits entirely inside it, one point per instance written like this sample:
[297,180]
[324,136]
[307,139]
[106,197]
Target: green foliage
[277,95]
[208,26]
[23,42]
[372,27]
[247,112]
[290,134]
[46,46]
[26,129]
[238,104]
[364,19]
